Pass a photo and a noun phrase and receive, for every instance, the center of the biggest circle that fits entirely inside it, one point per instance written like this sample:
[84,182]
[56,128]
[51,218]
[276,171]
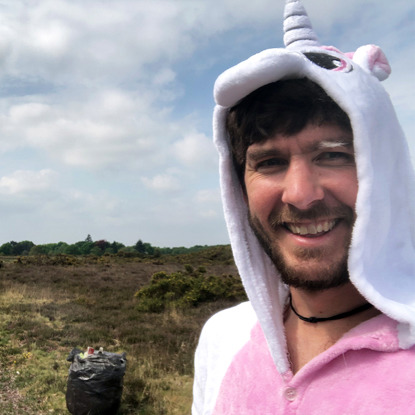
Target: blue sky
[106,106]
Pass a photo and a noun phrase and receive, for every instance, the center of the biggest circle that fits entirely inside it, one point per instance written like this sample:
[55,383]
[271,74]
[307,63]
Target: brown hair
[282,107]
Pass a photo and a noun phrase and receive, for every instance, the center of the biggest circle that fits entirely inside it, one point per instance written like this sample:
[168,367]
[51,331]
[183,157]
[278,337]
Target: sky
[106,108]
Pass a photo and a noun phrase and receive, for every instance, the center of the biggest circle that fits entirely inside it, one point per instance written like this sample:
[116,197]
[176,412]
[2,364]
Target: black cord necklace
[357,310]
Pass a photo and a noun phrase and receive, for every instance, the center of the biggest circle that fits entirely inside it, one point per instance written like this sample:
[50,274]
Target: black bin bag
[95,382]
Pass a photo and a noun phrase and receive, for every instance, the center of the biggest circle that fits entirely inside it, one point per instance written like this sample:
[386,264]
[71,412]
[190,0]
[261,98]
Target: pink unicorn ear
[373,60]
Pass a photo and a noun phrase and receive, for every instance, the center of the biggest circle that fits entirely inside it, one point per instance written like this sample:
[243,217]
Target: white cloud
[163,77]
[30,112]
[103,130]
[26,181]
[208,203]
[96,207]
[162,182]
[109,129]
[195,149]
[71,41]
[91,39]
[208,196]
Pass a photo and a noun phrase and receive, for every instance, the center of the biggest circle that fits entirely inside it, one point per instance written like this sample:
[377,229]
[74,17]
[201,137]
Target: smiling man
[299,177]
[318,193]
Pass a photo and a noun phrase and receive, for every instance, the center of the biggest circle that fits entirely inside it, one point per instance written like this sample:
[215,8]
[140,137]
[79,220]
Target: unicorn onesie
[241,362]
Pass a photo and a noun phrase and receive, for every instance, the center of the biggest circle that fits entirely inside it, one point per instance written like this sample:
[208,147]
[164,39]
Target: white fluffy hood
[382,253]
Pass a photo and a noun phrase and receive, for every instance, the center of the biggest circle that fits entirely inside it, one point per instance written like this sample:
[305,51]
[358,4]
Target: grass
[49,307]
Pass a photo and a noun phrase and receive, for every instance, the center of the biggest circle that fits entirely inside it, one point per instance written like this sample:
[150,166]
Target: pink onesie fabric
[363,373]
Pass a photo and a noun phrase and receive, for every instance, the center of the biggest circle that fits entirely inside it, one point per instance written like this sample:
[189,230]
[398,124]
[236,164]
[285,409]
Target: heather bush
[189,288]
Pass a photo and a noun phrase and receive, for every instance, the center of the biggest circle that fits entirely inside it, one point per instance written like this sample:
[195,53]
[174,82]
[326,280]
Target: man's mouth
[312,228]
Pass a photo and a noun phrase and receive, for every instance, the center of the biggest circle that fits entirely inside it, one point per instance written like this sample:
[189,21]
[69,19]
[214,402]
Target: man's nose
[302,185]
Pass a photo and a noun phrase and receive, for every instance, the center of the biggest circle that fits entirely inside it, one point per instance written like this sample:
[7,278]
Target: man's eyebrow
[260,154]
[333,143]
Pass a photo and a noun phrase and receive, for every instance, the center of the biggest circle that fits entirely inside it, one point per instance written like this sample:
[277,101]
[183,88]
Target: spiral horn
[297,26]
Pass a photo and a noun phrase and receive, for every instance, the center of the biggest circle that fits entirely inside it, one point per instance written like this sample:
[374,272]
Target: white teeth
[312,228]
[327,226]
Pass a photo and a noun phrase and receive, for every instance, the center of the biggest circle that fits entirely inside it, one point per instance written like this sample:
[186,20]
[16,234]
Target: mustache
[319,211]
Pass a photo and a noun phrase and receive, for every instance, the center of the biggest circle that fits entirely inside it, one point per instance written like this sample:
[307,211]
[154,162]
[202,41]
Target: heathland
[151,308]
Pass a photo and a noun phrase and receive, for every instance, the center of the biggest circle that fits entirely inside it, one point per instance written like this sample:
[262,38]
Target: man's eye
[338,157]
[270,163]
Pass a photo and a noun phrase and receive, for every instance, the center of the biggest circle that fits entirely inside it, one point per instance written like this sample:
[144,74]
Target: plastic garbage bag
[95,382]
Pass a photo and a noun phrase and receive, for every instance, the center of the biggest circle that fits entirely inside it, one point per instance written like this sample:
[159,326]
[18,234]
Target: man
[318,192]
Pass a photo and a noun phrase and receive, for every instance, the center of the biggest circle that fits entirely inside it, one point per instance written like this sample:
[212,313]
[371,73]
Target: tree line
[91,247]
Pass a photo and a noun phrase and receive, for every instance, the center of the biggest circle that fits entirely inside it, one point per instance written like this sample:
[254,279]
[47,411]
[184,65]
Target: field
[48,306]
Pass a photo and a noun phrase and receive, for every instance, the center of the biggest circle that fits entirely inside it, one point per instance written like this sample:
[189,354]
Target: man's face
[301,192]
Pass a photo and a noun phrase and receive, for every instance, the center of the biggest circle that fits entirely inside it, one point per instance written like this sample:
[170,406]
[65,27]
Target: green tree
[96,251]
[84,247]
[139,247]
[148,249]
[7,248]
[102,244]
[23,248]
[72,250]
[38,250]
[59,248]
[116,246]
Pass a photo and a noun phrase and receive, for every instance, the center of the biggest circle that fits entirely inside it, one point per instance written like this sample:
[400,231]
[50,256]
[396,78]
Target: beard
[330,275]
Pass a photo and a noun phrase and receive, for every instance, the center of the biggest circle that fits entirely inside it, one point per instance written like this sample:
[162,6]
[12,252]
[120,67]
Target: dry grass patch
[46,310]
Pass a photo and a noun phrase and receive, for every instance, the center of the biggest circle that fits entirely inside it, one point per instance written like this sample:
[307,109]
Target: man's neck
[307,340]
[326,303]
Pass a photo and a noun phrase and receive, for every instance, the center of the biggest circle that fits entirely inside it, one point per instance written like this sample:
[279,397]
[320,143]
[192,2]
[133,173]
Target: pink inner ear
[378,59]
[332,48]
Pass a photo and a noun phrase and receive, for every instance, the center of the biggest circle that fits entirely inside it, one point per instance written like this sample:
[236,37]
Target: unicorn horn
[297,26]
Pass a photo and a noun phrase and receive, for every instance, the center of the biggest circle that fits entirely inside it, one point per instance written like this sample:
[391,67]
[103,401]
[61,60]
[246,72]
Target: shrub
[187,289]
[188,268]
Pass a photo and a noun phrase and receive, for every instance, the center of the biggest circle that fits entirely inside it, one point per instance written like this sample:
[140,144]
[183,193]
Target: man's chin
[312,278]
[306,268]
[314,285]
